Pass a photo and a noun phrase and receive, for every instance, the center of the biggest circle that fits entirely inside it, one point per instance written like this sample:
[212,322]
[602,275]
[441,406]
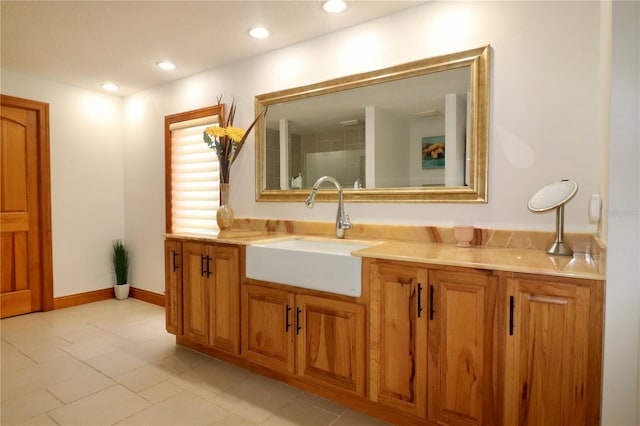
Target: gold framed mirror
[415,132]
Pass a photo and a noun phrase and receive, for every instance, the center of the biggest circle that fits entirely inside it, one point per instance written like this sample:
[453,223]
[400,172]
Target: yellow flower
[235,133]
[216,131]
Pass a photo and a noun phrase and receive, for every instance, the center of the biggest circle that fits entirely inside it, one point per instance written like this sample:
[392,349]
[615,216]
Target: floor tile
[30,405]
[142,378]
[210,378]
[181,409]
[256,398]
[80,386]
[41,420]
[354,418]
[13,359]
[161,391]
[115,363]
[106,407]
[50,372]
[299,412]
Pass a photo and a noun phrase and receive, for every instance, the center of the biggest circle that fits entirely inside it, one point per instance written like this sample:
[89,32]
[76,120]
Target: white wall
[87,188]
[622,310]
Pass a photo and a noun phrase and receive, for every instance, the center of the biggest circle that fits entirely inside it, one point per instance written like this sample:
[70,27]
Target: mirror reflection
[416,130]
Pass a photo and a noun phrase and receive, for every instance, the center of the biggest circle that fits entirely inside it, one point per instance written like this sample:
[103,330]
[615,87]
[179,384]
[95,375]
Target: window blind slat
[194,179]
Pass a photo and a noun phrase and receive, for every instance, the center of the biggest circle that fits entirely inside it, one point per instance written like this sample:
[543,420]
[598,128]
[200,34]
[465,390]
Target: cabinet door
[224,299]
[461,341]
[195,282]
[398,336]
[550,344]
[268,328]
[173,286]
[331,342]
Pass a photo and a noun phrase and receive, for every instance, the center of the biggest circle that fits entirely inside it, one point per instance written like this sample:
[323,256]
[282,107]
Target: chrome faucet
[342,220]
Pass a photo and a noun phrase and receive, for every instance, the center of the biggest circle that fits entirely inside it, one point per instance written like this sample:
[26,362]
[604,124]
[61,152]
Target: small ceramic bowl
[463,235]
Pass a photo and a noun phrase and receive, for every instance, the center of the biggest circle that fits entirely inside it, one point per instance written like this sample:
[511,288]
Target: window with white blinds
[194,178]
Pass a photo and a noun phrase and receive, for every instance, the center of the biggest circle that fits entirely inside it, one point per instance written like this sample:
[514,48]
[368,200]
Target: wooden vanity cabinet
[318,339]
[398,336]
[461,336]
[173,286]
[211,295]
[268,338]
[553,357]
[432,342]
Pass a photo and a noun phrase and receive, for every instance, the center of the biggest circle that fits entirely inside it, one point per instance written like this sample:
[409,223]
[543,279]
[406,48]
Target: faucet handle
[347,222]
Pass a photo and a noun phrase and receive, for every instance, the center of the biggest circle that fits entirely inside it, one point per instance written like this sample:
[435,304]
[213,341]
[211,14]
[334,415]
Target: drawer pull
[175,262]
[432,310]
[511,309]
[298,326]
[287,324]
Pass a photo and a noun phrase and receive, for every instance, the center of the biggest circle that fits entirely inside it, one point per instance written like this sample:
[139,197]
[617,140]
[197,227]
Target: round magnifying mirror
[553,195]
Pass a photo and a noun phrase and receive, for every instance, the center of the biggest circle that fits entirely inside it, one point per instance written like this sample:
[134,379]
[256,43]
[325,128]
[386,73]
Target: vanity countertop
[532,261]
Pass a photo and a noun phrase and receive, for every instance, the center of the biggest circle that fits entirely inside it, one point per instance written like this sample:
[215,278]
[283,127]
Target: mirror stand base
[559,248]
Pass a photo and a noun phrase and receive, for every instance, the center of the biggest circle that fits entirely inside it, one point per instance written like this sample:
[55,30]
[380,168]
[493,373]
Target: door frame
[44,199]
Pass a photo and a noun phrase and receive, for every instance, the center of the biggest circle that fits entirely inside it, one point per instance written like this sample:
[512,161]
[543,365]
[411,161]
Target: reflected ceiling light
[110,87]
[334,6]
[259,32]
[427,113]
[166,65]
[348,123]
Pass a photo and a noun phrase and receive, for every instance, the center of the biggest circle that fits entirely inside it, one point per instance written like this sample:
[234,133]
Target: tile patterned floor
[112,362]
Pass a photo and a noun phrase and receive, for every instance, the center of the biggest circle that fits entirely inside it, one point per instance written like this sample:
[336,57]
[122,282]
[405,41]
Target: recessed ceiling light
[110,87]
[166,65]
[334,6]
[259,32]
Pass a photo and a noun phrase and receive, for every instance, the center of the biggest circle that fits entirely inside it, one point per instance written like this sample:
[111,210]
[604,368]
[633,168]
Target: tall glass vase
[224,215]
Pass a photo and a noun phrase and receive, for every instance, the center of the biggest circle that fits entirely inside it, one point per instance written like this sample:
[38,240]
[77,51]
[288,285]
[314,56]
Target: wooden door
[173,286]
[195,291]
[268,327]
[331,343]
[224,299]
[553,346]
[25,214]
[398,333]
[461,341]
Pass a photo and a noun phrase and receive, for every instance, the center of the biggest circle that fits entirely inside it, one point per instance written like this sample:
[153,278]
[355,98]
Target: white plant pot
[121,291]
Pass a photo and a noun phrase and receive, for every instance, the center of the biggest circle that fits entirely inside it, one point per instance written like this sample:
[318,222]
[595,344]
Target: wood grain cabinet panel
[398,336]
[319,339]
[224,298]
[554,345]
[211,295]
[173,286]
[462,307]
[267,327]
[331,342]
[195,292]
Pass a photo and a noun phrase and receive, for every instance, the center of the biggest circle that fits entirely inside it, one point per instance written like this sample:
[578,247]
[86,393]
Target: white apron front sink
[325,265]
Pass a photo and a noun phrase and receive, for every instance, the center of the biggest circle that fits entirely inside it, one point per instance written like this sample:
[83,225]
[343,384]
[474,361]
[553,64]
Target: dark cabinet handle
[298,326]
[175,262]
[432,311]
[512,307]
[202,270]
[208,266]
[287,324]
[419,300]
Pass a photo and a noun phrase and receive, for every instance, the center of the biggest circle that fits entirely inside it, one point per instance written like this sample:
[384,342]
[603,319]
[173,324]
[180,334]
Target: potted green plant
[120,257]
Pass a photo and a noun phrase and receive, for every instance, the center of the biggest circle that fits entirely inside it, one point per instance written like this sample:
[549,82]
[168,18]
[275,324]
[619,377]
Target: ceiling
[86,43]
